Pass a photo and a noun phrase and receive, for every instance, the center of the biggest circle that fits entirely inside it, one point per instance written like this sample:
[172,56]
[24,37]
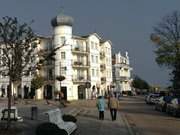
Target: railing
[80,79]
[78,50]
[80,64]
[123,78]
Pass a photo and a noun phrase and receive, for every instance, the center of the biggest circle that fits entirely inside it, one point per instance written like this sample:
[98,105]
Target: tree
[17,46]
[139,83]
[36,83]
[166,36]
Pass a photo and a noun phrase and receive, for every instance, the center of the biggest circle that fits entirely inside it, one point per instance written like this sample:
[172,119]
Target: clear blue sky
[127,23]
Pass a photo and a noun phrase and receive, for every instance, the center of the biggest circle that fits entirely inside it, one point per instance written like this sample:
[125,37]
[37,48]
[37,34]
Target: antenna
[61,9]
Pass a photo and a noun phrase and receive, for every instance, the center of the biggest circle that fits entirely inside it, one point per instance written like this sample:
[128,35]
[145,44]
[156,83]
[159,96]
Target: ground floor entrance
[81,92]
[48,92]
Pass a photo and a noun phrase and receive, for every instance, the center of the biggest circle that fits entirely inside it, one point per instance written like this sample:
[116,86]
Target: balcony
[80,79]
[79,64]
[123,78]
[102,55]
[102,67]
[78,50]
[103,80]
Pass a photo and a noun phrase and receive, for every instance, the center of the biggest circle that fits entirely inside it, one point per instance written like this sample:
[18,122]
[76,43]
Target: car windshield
[168,98]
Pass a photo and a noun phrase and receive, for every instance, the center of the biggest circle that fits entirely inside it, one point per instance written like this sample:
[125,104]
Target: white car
[152,98]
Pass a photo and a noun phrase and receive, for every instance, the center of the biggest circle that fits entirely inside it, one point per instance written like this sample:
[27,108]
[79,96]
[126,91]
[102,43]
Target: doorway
[81,92]
[64,91]
[48,92]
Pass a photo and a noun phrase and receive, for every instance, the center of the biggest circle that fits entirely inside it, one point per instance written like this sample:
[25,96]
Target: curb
[127,125]
[131,127]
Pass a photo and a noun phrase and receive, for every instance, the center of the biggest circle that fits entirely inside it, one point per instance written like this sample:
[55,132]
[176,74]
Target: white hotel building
[82,59]
[122,73]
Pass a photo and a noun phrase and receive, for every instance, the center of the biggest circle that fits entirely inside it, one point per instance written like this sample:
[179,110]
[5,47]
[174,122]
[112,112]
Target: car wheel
[164,108]
[161,109]
[174,113]
[167,110]
[155,108]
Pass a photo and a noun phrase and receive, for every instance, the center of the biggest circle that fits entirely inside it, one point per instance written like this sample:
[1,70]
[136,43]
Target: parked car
[162,102]
[151,98]
[174,107]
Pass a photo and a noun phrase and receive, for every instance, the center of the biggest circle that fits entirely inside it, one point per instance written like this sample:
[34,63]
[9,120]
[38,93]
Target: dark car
[162,103]
[174,107]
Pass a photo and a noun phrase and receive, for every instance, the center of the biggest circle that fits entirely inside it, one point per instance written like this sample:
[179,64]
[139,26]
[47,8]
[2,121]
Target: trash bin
[34,113]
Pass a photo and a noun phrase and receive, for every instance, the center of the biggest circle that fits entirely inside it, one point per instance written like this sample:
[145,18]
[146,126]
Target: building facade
[80,59]
[122,73]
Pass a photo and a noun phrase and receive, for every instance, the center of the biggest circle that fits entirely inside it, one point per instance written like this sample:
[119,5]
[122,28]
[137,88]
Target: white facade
[122,73]
[79,59]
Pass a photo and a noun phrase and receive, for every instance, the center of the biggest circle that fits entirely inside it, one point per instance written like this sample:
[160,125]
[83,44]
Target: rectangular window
[80,75]
[80,59]
[62,40]
[93,74]
[96,46]
[96,59]
[97,72]
[63,71]
[50,74]
[92,45]
[63,55]
[92,58]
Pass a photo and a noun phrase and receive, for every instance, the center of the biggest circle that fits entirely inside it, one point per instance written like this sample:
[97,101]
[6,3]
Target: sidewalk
[89,123]
[84,110]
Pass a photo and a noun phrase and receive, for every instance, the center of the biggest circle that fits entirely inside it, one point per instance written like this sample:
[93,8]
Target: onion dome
[62,19]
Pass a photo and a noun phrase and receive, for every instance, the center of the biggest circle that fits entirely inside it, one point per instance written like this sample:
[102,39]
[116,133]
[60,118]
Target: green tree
[18,53]
[140,83]
[166,36]
[17,47]
[36,83]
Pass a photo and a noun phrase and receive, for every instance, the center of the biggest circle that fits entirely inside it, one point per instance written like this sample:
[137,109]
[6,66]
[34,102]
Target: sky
[127,23]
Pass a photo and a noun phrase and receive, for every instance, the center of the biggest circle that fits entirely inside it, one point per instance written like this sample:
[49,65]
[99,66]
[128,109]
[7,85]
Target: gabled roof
[109,41]
[95,34]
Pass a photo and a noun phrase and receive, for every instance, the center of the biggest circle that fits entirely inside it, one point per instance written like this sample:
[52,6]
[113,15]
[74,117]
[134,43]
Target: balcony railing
[123,78]
[79,64]
[80,79]
[78,50]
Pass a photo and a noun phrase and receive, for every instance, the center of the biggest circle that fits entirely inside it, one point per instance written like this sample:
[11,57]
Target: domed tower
[62,34]
[62,25]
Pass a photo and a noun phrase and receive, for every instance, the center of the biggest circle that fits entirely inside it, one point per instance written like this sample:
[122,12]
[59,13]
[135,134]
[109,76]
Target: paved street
[144,120]
[134,118]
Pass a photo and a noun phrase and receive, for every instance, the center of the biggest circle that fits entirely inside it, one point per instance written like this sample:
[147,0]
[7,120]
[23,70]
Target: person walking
[101,107]
[113,106]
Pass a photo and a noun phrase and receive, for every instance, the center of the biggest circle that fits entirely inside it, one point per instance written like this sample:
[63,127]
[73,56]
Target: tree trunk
[9,103]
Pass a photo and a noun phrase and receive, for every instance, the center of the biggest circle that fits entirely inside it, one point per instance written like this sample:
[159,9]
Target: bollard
[34,113]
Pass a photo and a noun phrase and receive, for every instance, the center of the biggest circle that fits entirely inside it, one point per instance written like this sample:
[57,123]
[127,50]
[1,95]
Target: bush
[49,129]
[67,117]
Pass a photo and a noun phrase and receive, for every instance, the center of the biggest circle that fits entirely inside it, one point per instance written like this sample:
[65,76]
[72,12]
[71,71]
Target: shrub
[67,117]
[49,129]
